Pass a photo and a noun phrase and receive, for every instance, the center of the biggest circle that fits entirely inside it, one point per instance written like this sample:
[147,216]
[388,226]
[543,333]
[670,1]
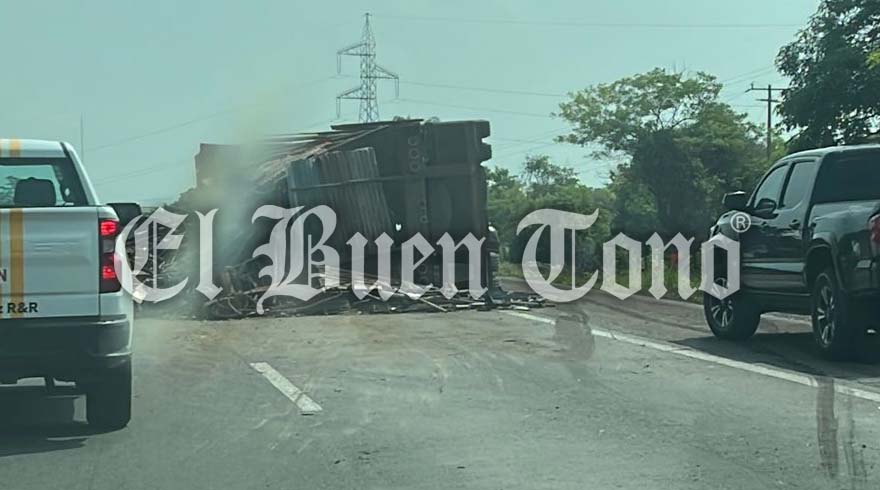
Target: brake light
[107,231]
[874,229]
[108,228]
[108,273]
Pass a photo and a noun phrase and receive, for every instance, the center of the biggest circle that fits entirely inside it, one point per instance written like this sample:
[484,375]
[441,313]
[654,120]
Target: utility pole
[370,72]
[770,101]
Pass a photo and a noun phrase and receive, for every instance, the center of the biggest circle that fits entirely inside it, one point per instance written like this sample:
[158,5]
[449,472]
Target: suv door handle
[795,225]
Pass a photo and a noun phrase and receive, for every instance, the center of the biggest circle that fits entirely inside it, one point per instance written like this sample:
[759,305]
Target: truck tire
[835,329]
[733,318]
[108,400]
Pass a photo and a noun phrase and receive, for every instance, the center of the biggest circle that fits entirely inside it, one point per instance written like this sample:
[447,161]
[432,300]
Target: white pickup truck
[63,313]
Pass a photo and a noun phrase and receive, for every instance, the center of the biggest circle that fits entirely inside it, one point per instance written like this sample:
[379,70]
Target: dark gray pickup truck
[812,247]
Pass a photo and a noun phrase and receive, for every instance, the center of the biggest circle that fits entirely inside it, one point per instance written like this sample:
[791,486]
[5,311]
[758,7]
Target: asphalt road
[601,394]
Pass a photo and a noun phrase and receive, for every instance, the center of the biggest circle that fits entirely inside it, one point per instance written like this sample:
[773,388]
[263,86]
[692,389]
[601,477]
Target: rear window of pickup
[849,178]
[39,182]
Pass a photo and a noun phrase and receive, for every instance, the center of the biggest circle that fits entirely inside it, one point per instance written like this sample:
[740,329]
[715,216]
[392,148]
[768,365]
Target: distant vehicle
[812,247]
[63,313]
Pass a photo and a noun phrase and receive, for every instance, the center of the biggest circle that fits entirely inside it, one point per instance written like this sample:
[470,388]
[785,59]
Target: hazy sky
[154,79]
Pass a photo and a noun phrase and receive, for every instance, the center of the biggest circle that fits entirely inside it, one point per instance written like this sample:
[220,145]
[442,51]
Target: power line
[735,79]
[740,79]
[747,75]
[527,150]
[182,124]
[156,200]
[140,136]
[141,172]
[517,142]
[731,81]
[477,109]
[160,130]
[733,97]
[485,89]
[566,23]
[528,140]
[162,166]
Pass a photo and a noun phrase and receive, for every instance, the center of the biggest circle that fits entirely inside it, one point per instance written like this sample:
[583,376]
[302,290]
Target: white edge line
[306,405]
[842,387]
[697,306]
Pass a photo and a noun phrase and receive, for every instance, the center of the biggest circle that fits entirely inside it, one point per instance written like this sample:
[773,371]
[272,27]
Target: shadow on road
[782,341]
[793,351]
[31,422]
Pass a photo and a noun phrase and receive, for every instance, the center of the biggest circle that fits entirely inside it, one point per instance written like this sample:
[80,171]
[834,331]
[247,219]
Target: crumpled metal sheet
[349,183]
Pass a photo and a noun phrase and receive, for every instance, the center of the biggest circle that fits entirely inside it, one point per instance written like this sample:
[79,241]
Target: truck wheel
[108,400]
[834,326]
[732,318]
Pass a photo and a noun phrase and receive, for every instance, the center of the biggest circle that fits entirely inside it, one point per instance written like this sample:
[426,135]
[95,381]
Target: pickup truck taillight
[108,229]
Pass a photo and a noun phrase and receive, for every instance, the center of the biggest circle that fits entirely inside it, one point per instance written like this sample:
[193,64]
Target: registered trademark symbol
[741,222]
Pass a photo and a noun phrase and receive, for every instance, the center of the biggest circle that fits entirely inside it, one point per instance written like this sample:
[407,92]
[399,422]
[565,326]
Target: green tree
[874,60]
[543,177]
[506,199]
[542,185]
[679,145]
[635,209]
[835,79]
[501,178]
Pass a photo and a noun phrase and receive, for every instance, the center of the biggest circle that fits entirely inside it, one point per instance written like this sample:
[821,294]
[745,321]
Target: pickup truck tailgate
[49,262]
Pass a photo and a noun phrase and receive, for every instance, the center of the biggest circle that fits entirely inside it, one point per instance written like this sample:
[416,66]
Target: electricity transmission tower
[770,101]
[370,72]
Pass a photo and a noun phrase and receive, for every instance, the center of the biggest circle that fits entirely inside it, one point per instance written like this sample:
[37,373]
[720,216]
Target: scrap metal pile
[397,178]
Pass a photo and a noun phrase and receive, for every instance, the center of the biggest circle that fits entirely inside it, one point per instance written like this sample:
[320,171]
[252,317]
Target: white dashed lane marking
[840,386]
[306,405]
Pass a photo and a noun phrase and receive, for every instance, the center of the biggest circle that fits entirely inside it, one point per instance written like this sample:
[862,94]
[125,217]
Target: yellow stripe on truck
[15,148]
[16,259]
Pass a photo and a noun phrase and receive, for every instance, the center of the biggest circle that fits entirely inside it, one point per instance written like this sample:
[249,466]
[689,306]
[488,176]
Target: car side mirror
[765,206]
[736,201]
[126,212]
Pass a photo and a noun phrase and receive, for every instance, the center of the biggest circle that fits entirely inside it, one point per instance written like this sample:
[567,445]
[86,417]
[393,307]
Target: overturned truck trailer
[398,178]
